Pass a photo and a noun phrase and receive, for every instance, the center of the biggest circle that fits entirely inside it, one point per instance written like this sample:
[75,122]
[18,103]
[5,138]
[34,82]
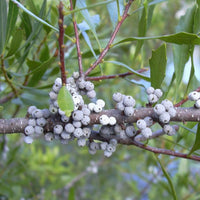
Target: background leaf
[158,63]
[65,101]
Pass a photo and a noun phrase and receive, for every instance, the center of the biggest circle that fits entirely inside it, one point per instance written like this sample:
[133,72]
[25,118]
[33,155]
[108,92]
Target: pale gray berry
[57,129]
[197,104]
[150,90]
[97,108]
[56,88]
[53,95]
[31,109]
[117,128]
[94,146]
[41,121]
[77,124]
[89,86]
[169,130]
[38,130]
[129,101]
[107,153]
[168,104]
[46,113]
[86,120]
[37,113]
[122,134]
[111,148]
[53,109]
[75,75]
[103,145]
[29,130]
[113,142]
[172,112]
[86,111]
[129,111]
[158,93]
[130,131]
[164,118]
[55,104]
[81,142]
[70,81]
[147,132]
[28,139]
[152,98]
[32,122]
[159,109]
[106,130]
[49,136]
[100,102]
[120,106]
[69,128]
[86,132]
[77,115]
[91,94]
[81,84]
[141,124]
[58,82]
[78,132]
[65,135]
[117,97]
[64,118]
[149,121]
[194,96]
[92,152]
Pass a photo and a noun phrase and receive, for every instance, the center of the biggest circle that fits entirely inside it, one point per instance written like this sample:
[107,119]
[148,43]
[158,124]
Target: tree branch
[104,52]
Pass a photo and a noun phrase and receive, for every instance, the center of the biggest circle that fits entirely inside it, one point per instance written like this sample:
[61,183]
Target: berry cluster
[153,94]
[195,96]
[124,103]
[142,125]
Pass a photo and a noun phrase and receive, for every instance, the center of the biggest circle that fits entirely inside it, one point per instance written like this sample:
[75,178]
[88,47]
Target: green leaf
[158,63]
[15,42]
[12,17]
[196,144]
[3,22]
[72,194]
[197,18]
[40,72]
[173,192]
[177,38]
[65,101]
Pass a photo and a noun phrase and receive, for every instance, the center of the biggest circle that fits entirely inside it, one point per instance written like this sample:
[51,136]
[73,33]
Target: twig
[61,44]
[77,40]
[7,98]
[104,52]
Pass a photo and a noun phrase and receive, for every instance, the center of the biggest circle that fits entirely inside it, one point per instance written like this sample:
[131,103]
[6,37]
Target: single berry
[91,94]
[75,75]
[81,142]
[150,90]
[86,132]
[77,115]
[89,86]
[117,128]
[70,81]
[130,131]
[78,132]
[164,118]
[197,104]
[91,106]
[31,109]
[107,153]
[53,95]
[113,121]
[111,148]
[169,130]
[149,121]
[172,112]
[69,128]
[159,109]
[97,108]
[56,88]
[41,121]
[141,124]
[29,130]
[147,132]
[37,113]
[32,122]
[152,98]
[158,93]
[100,102]
[122,134]
[86,111]
[117,97]
[58,82]
[86,120]
[129,101]
[39,130]
[65,135]
[94,146]
[48,136]
[28,139]
[120,106]
[46,113]
[113,142]
[64,118]
[128,111]
[168,104]
[53,109]
[77,124]
[81,83]
[57,129]
[103,145]
[194,96]
[104,119]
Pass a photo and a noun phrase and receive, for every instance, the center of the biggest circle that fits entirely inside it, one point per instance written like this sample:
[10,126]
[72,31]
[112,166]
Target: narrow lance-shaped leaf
[158,63]
[65,101]
[196,144]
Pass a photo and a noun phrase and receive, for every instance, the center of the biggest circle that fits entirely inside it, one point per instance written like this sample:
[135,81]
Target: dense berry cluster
[77,125]
[195,96]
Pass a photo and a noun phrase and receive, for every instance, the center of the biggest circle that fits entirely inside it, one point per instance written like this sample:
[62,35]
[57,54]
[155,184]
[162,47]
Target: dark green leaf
[12,17]
[44,54]
[196,144]
[197,18]
[72,194]
[158,63]
[15,43]
[3,22]
[173,191]
[65,101]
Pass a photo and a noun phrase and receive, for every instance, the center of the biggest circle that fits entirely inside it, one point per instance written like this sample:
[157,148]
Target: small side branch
[61,43]
[77,41]
[104,52]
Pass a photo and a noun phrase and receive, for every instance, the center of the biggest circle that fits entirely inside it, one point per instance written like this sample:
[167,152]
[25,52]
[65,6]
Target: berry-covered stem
[122,75]
[61,43]
[108,46]
[77,41]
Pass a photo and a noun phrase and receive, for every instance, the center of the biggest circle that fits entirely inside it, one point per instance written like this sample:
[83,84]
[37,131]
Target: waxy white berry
[150,90]
[164,118]
[169,130]
[152,98]
[197,104]
[158,93]
[29,130]
[117,97]
[113,121]
[104,119]
[141,124]
[129,111]
[194,96]
[147,132]
[129,101]
[97,108]
[57,129]
[100,102]
[159,109]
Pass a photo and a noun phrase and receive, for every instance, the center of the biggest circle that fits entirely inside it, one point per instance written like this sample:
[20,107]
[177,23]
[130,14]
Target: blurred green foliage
[28,47]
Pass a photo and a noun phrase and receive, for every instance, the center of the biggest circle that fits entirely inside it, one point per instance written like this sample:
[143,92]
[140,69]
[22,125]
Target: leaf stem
[108,46]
